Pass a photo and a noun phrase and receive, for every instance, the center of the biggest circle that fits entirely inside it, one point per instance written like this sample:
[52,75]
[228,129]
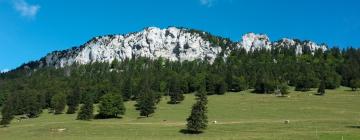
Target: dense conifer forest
[28,90]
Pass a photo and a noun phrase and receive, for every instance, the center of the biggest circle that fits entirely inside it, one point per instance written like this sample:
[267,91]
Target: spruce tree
[321,90]
[306,78]
[175,92]
[33,106]
[210,84]
[220,87]
[284,89]
[58,103]
[73,100]
[238,84]
[127,89]
[87,109]
[355,84]
[146,104]
[111,105]
[201,94]
[147,101]
[197,121]
[7,111]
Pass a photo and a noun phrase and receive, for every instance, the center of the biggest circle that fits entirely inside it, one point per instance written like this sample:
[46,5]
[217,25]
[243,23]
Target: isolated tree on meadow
[111,105]
[201,94]
[197,121]
[58,103]
[87,109]
[146,101]
[146,104]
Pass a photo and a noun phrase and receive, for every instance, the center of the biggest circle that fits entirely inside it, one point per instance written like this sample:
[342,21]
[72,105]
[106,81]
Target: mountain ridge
[172,43]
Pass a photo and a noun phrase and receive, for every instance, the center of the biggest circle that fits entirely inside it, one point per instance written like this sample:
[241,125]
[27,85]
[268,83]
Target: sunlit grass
[239,116]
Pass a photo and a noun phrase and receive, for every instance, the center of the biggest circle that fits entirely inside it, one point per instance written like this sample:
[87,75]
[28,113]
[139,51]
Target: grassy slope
[239,116]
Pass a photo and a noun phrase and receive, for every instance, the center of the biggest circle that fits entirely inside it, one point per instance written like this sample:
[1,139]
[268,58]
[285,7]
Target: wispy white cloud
[211,3]
[26,9]
[207,3]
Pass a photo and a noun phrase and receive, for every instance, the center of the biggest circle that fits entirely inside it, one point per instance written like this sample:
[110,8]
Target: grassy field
[241,115]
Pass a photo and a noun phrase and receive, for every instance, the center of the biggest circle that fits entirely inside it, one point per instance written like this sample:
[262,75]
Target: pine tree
[238,84]
[7,111]
[201,94]
[220,87]
[175,92]
[146,104]
[33,106]
[355,84]
[127,89]
[284,89]
[210,84]
[306,78]
[321,90]
[87,109]
[197,121]
[19,102]
[73,100]
[111,105]
[58,103]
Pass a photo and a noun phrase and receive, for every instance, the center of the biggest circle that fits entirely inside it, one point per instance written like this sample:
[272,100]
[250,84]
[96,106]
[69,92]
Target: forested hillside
[26,91]
[145,66]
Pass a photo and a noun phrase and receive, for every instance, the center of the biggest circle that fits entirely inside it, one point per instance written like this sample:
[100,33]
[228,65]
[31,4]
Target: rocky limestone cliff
[175,44]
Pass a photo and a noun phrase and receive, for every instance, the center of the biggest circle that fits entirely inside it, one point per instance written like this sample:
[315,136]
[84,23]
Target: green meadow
[239,116]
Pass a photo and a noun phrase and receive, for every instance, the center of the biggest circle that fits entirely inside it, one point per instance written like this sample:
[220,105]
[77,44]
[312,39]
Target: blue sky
[29,29]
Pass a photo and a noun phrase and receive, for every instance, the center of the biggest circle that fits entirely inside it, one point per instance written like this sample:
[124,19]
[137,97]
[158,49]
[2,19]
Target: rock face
[172,43]
[252,41]
[299,46]
[175,44]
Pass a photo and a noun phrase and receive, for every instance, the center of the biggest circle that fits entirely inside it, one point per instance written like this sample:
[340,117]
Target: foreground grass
[239,115]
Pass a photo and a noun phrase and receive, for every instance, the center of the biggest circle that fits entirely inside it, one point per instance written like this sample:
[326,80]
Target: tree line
[27,90]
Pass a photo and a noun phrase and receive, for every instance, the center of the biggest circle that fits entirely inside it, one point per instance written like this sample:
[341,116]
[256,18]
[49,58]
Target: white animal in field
[214,122]
[287,121]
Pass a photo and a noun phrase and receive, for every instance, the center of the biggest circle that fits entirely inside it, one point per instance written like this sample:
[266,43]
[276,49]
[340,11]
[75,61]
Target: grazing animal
[214,122]
[287,122]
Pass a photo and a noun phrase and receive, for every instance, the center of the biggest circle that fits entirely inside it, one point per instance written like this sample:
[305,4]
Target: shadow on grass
[259,92]
[354,126]
[185,131]
[143,117]
[282,96]
[319,94]
[4,126]
[172,103]
[100,117]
